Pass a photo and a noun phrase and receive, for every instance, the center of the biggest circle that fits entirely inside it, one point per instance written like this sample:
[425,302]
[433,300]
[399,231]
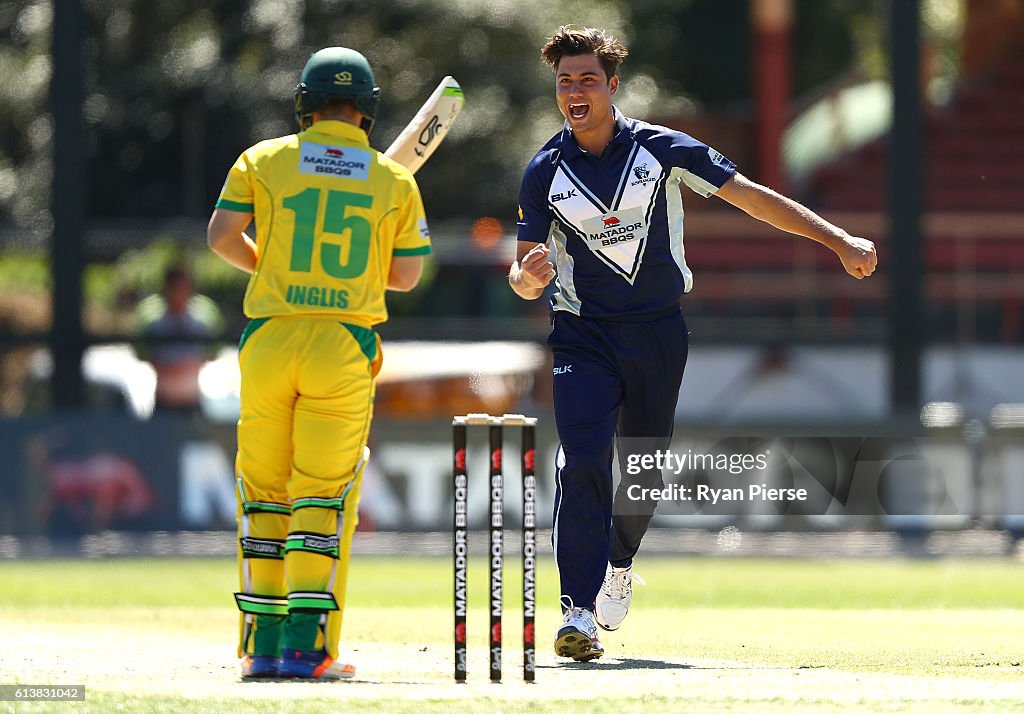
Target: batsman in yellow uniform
[337,224]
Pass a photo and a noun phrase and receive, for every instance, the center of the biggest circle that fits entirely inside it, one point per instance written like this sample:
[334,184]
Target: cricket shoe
[612,603]
[577,637]
[315,664]
[260,666]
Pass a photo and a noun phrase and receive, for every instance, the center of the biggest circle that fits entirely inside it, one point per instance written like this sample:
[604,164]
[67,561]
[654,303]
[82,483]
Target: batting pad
[263,598]
[317,554]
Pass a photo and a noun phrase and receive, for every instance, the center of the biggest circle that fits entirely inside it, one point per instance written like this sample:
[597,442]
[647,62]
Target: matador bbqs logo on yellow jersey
[342,161]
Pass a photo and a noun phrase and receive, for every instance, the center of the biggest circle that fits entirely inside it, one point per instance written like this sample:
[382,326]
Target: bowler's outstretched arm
[857,254]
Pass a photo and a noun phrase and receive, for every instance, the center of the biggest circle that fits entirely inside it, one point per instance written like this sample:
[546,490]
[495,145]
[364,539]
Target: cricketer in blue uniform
[600,206]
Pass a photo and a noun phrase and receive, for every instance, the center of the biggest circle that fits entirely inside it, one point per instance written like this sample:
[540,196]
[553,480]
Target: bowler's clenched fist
[858,256]
[535,268]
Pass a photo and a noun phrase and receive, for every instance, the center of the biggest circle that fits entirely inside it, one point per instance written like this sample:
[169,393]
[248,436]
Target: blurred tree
[26,130]
[176,90]
[831,38]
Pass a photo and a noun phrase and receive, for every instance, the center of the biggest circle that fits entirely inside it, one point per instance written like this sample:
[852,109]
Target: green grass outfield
[704,635]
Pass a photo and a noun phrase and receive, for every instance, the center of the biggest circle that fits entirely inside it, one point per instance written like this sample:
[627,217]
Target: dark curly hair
[571,41]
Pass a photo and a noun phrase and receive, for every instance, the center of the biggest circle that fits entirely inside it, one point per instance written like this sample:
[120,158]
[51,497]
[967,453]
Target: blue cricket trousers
[615,383]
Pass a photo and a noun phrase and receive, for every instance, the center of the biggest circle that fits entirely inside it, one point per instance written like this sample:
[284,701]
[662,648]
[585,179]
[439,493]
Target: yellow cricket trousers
[306,404]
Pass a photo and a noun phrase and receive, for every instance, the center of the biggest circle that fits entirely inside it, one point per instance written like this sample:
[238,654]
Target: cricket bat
[428,128]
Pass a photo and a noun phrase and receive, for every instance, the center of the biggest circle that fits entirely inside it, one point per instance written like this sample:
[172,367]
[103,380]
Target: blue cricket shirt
[614,223]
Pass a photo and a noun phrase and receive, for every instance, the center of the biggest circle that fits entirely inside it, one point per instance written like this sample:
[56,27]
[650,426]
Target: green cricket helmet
[336,72]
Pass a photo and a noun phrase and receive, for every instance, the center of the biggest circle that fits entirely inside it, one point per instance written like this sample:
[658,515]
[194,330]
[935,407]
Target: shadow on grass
[618,664]
[298,681]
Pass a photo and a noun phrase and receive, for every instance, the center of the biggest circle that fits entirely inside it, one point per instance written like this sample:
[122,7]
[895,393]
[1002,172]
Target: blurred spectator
[177,312]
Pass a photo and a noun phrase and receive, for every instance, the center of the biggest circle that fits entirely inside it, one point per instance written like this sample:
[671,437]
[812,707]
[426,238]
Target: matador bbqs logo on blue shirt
[618,237]
[617,234]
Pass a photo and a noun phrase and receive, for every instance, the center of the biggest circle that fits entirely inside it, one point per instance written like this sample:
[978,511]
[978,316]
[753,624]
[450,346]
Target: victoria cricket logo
[496,658]
[462,664]
[642,174]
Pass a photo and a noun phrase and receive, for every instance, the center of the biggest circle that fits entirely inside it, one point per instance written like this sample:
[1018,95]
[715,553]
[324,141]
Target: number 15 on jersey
[336,222]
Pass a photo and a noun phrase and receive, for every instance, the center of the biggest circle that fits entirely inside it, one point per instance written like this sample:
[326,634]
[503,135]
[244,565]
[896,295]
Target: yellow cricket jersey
[330,214]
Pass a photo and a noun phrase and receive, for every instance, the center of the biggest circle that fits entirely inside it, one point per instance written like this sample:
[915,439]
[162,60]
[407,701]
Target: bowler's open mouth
[578,111]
